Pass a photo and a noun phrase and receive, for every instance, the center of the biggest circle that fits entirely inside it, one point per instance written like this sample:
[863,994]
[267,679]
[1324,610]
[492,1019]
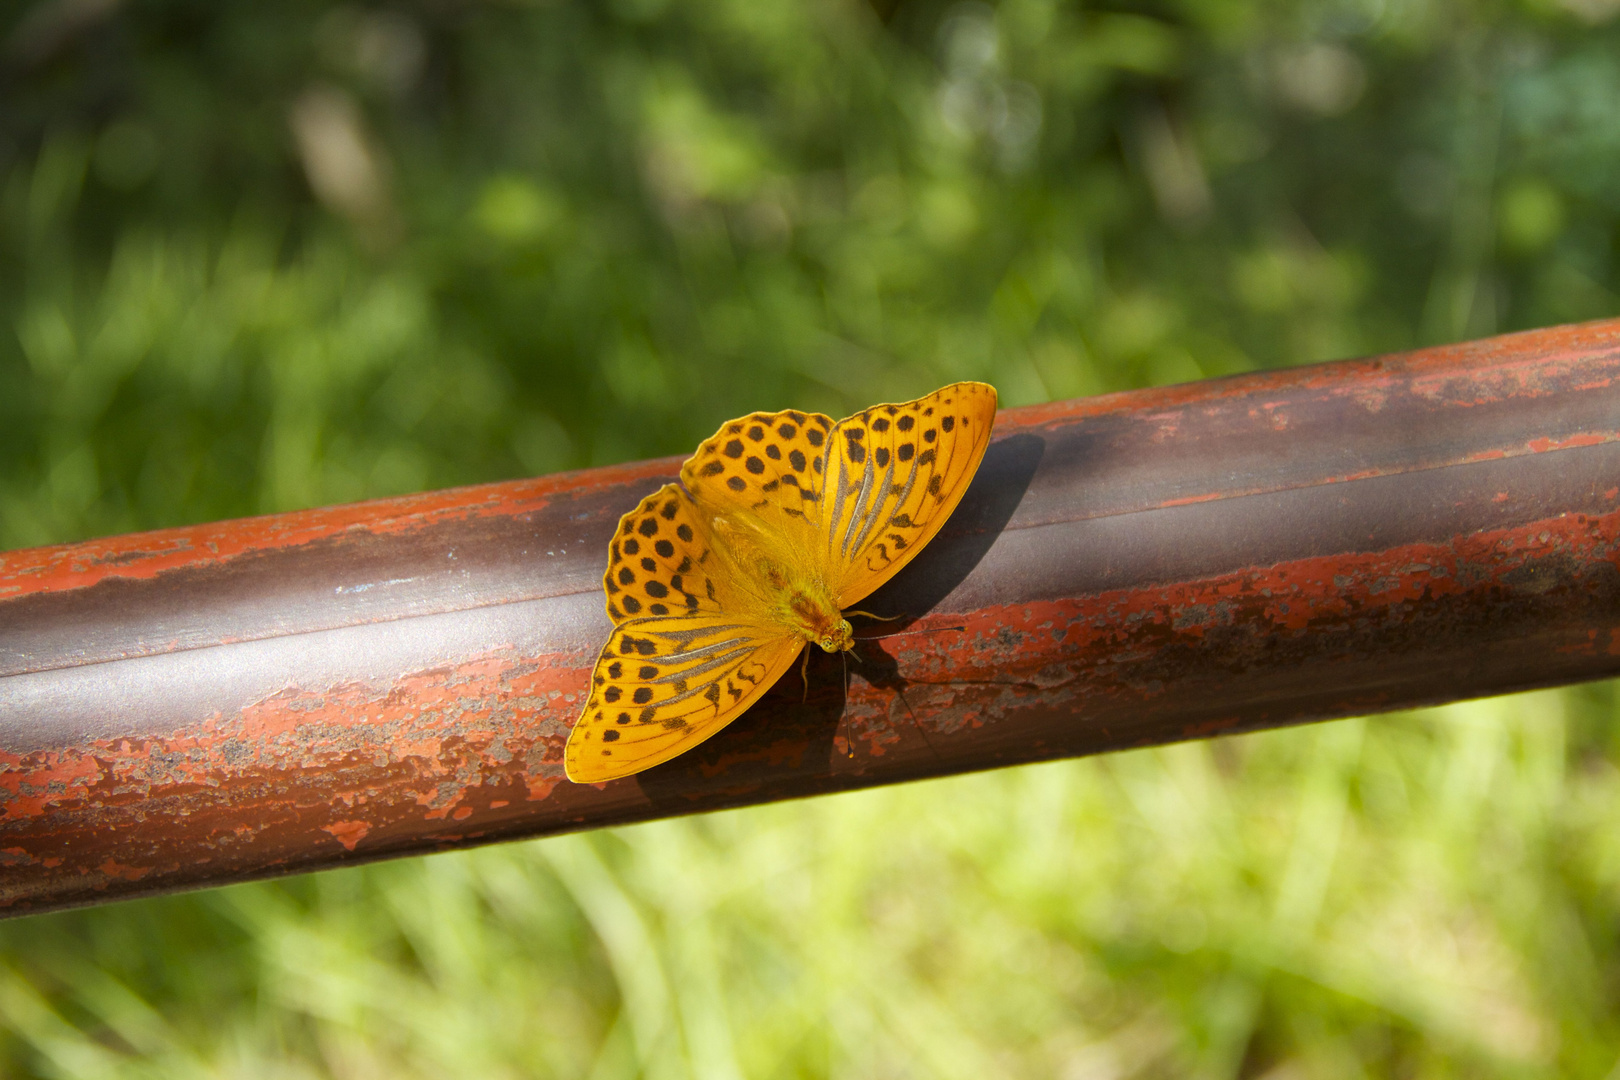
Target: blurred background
[257,257]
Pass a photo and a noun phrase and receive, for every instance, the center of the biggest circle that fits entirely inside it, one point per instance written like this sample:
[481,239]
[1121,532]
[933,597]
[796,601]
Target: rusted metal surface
[282,694]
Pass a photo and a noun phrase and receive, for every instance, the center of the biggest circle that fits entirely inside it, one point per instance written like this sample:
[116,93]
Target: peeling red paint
[348,833]
[112,868]
[1588,438]
[1189,500]
[30,793]
[145,555]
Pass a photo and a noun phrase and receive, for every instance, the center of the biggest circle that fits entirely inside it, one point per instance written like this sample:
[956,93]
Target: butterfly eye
[827,643]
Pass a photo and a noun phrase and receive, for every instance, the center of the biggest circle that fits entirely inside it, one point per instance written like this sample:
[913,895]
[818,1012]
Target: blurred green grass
[264,257]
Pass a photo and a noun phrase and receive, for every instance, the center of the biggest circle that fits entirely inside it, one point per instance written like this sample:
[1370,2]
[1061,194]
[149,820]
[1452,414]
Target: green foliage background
[257,257]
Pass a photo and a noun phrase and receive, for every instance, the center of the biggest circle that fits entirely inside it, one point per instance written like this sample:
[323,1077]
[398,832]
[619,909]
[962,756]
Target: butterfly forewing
[893,475]
[659,562]
[664,684]
[768,464]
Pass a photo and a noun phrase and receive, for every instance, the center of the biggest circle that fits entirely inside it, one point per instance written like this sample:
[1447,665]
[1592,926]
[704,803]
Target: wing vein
[859,511]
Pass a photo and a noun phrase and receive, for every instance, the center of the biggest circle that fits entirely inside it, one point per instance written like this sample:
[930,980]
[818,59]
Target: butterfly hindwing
[893,475]
[663,685]
[658,562]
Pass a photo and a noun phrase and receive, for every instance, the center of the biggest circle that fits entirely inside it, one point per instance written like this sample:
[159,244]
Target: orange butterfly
[779,524]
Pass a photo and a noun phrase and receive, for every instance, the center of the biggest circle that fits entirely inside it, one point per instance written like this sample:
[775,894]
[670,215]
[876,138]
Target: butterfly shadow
[787,741]
[783,742]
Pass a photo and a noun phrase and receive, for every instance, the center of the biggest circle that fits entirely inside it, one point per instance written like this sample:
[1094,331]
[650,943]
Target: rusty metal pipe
[282,694]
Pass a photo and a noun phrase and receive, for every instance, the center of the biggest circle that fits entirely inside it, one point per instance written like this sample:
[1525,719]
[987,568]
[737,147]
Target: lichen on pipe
[281,694]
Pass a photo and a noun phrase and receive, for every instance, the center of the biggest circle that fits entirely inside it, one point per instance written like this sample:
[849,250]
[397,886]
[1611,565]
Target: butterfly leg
[804,673]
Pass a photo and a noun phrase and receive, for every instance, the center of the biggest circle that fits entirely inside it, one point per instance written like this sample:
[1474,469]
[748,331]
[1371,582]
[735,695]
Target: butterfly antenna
[879,618]
[914,723]
[907,633]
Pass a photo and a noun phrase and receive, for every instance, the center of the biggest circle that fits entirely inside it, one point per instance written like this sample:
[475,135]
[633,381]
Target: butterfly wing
[893,475]
[659,562]
[689,652]
[664,684]
[768,464]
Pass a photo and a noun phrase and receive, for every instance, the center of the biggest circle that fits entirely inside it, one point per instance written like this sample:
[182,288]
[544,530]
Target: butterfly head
[838,638]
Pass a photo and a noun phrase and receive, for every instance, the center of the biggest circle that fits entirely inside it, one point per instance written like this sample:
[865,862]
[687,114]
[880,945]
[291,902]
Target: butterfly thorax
[806,604]
[821,625]
[791,595]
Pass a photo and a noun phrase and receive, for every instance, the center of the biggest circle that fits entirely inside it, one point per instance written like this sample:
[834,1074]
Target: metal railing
[282,694]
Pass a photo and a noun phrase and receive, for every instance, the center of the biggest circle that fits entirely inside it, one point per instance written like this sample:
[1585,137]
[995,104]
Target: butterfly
[779,524]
